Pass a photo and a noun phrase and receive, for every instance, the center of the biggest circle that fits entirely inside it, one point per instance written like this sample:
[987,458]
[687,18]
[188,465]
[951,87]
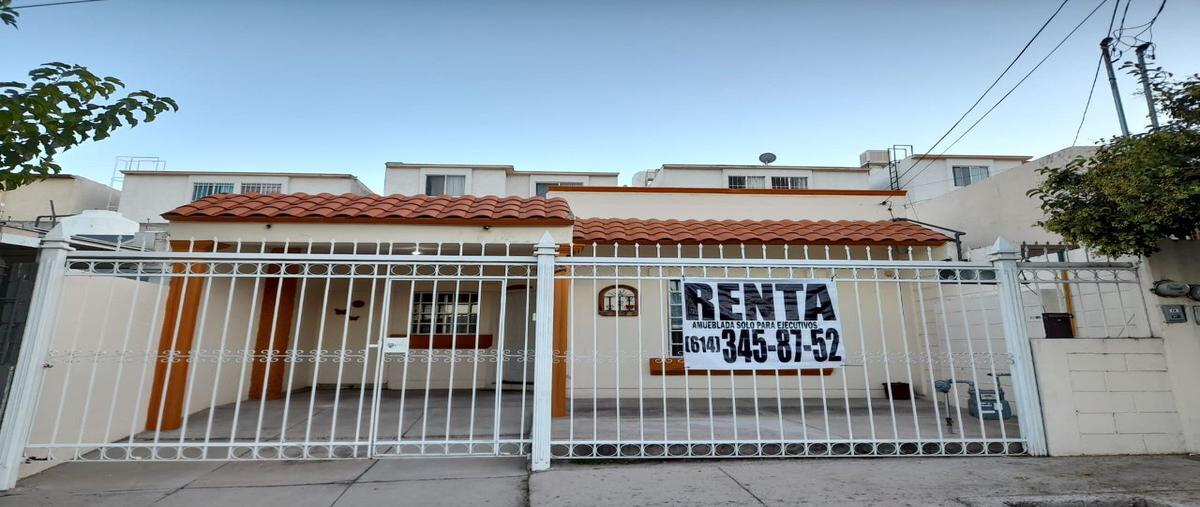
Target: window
[789,182]
[967,174]
[675,317]
[747,182]
[438,184]
[542,188]
[262,188]
[618,301]
[445,317]
[202,190]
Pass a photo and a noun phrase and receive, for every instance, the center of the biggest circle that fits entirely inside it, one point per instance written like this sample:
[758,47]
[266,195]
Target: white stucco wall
[525,185]
[610,355]
[718,176]
[146,196]
[686,177]
[1128,395]
[995,207]
[70,194]
[100,398]
[934,176]
[1181,342]
[839,180]
[409,179]
[1107,396]
[725,206]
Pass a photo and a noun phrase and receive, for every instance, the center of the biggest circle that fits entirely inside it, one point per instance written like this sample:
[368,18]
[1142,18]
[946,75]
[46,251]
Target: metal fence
[288,352]
[285,351]
[908,386]
[1084,299]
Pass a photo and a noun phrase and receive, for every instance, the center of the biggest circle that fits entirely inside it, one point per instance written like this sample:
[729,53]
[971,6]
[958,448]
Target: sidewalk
[977,481]
[1104,481]
[417,482]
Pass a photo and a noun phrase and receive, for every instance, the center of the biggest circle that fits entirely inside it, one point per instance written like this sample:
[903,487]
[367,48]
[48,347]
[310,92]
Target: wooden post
[562,321]
[165,410]
[562,298]
[270,349]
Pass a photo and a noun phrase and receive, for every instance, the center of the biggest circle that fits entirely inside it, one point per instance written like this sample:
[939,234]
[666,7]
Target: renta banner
[777,324]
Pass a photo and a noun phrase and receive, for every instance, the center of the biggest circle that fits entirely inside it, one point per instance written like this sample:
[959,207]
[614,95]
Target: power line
[1014,88]
[1088,104]
[1116,35]
[1113,19]
[1150,24]
[1121,27]
[1096,76]
[988,90]
[1147,26]
[54,3]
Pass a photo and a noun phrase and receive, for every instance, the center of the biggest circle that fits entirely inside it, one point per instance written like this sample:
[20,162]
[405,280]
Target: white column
[1004,257]
[543,363]
[27,379]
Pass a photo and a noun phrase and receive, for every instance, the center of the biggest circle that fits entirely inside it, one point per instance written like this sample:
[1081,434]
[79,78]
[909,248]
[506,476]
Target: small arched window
[618,301]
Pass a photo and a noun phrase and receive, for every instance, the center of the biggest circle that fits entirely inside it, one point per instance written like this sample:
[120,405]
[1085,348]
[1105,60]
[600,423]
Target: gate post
[543,359]
[35,342]
[1004,257]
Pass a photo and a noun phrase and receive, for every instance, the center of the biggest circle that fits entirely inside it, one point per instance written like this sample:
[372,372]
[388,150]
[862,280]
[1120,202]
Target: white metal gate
[232,351]
[931,330]
[286,352]
[477,402]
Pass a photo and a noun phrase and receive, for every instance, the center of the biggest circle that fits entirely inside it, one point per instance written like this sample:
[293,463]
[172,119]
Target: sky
[345,86]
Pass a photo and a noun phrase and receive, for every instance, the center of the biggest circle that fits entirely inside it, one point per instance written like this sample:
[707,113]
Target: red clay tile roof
[840,232]
[373,209]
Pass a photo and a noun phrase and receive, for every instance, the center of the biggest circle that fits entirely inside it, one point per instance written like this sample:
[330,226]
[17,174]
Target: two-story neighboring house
[465,179]
[752,176]
[56,196]
[146,195]
[928,175]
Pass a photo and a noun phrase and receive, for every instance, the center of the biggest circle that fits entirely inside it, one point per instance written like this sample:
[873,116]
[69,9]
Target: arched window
[618,301]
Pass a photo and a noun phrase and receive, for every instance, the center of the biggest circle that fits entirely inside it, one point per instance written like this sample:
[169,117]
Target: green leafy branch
[61,107]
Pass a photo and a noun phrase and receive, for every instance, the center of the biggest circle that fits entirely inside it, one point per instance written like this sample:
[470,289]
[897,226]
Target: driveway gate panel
[268,351]
[922,343]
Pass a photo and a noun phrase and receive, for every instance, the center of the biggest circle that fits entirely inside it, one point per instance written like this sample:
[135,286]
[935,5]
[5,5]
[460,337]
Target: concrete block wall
[1107,396]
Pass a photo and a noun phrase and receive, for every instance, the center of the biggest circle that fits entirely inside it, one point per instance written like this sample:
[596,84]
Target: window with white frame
[449,315]
[675,317]
[969,174]
[202,190]
[445,184]
[262,188]
[542,188]
[747,182]
[789,182]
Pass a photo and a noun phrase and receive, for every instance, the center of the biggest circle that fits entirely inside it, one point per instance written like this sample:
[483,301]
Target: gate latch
[395,345]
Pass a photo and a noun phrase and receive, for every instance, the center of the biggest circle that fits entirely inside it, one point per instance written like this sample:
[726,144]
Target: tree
[62,106]
[1135,191]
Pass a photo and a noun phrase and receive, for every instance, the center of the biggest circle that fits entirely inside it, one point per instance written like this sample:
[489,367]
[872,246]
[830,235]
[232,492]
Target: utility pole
[1141,56]
[1112,83]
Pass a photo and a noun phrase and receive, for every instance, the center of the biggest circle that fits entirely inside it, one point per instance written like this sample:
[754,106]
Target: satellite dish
[766,158]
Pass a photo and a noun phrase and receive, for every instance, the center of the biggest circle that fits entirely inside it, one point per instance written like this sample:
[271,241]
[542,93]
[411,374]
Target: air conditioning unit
[874,158]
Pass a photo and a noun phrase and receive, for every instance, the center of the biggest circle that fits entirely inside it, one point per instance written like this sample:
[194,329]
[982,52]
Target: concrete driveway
[977,481]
